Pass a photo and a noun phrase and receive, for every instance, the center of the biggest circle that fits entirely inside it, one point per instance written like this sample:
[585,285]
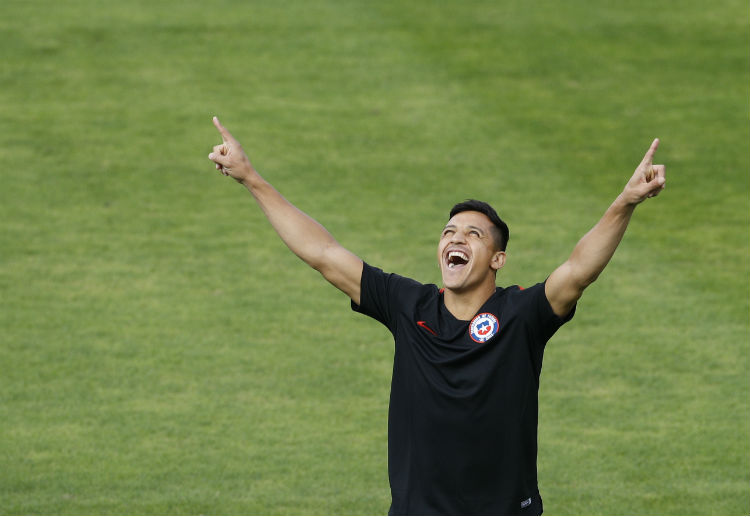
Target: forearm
[300,232]
[304,236]
[595,249]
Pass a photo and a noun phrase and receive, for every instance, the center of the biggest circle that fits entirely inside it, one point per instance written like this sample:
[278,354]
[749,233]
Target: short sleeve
[535,309]
[381,295]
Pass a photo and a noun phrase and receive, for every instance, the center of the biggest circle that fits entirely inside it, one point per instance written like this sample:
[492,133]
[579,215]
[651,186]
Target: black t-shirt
[462,421]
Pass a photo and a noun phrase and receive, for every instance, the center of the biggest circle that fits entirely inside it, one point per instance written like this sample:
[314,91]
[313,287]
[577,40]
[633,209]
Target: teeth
[457,254]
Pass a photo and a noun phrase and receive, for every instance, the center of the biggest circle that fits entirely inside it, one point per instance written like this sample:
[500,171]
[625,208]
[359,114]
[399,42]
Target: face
[467,253]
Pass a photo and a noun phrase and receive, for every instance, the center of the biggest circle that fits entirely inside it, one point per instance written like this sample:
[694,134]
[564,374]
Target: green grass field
[161,352]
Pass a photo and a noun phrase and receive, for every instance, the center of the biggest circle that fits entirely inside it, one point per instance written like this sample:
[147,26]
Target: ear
[497,261]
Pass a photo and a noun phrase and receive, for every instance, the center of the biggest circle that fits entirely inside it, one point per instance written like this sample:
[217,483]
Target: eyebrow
[477,228]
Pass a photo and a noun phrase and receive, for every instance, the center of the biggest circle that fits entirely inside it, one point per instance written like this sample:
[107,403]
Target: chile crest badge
[483,327]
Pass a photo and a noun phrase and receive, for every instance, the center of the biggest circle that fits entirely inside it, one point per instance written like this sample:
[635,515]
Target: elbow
[586,280]
[582,277]
[321,259]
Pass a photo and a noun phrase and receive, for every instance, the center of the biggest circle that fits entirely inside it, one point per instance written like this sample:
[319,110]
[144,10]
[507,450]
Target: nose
[458,236]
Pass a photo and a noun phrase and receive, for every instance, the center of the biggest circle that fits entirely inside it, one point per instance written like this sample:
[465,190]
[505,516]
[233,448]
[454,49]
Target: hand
[648,179]
[229,157]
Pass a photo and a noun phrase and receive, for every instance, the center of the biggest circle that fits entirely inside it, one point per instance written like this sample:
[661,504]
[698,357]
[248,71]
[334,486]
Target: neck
[465,304]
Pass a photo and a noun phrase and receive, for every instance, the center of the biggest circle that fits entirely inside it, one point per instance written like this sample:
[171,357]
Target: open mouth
[456,258]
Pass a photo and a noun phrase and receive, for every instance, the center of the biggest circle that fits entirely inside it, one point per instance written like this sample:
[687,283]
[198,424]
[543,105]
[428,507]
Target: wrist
[251,179]
[625,202]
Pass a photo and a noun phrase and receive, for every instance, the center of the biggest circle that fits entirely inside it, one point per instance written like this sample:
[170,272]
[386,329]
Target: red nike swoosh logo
[428,329]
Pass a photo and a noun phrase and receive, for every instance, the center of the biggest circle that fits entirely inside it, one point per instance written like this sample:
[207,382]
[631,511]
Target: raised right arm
[307,238]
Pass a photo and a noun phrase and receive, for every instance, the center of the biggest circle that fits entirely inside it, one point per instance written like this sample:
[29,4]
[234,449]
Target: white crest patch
[483,327]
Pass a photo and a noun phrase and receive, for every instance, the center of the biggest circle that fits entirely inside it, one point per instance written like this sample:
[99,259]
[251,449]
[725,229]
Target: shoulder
[392,281]
[387,293]
[524,293]
[523,300]
[515,294]
[533,301]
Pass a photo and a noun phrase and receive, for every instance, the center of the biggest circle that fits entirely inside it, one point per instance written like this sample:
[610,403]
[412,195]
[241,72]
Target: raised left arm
[593,252]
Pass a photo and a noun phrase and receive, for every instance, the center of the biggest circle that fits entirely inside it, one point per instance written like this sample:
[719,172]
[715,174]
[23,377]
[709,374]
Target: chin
[454,284]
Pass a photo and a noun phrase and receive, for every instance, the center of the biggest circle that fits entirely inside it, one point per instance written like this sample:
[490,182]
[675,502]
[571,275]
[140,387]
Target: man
[462,423]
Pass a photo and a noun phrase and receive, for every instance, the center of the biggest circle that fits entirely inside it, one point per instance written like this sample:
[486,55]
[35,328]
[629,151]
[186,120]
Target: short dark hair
[501,233]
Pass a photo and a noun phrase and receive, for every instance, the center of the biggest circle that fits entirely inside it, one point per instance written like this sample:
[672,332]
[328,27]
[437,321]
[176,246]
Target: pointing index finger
[649,156]
[225,135]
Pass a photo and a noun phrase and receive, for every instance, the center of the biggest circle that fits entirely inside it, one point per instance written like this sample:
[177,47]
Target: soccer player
[462,421]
